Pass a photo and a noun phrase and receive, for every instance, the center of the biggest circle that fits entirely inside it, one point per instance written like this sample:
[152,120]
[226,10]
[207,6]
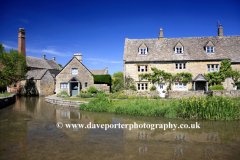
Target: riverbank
[60,101]
[8,100]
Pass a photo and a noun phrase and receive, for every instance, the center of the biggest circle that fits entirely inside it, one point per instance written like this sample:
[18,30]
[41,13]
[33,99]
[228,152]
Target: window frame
[63,85]
[142,86]
[210,49]
[74,70]
[142,68]
[142,51]
[180,86]
[180,66]
[179,50]
[86,84]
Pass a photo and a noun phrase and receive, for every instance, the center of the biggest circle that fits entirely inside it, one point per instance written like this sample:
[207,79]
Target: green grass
[216,108]
[78,99]
[5,95]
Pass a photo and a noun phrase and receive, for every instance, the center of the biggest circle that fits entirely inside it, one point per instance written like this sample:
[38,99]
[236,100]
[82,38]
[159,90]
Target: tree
[60,65]
[117,82]
[235,76]
[12,66]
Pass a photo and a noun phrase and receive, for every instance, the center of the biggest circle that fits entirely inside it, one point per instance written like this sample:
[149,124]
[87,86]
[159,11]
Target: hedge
[103,79]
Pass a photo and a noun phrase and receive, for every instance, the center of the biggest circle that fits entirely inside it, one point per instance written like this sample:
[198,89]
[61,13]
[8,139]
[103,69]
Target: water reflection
[28,131]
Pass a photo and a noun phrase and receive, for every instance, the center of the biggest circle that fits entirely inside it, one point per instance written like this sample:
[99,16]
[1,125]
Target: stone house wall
[46,85]
[193,67]
[104,87]
[140,93]
[225,93]
[66,75]
[182,94]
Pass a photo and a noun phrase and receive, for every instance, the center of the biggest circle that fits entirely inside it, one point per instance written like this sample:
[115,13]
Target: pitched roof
[99,72]
[226,47]
[36,74]
[41,63]
[200,77]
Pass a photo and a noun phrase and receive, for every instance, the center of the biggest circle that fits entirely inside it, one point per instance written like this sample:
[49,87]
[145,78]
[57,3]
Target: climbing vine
[160,76]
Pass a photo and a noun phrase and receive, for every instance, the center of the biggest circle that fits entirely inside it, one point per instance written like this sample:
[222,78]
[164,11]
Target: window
[63,85]
[181,86]
[86,85]
[15,86]
[180,65]
[212,67]
[142,68]
[178,49]
[74,71]
[142,86]
[210,49]
[142,50]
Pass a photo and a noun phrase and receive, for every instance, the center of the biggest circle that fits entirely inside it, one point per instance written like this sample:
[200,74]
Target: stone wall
[140,93]
[234,93]
[6,101]
[46,85]
[181,94]
[104,87]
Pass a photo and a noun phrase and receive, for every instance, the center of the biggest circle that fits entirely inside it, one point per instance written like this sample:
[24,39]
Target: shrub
[63,94]
[86,95]
[156,97]
[92,89]
[153,88]
[132,97]
[101,104]
[144,97]
[216,87]
[103,79]
[122,96]
[191,89]
[133,87]
[114,95]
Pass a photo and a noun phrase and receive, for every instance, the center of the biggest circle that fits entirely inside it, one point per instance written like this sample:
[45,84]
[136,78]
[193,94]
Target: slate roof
[35,62]
[36,73]
[99,72]
[226,47]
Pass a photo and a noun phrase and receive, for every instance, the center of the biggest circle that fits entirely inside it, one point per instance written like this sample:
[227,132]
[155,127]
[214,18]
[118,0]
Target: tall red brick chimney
[21,41]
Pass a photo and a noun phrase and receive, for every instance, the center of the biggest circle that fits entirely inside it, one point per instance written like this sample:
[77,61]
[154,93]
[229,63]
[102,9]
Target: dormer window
[179,48]
[209,47]
[142,49]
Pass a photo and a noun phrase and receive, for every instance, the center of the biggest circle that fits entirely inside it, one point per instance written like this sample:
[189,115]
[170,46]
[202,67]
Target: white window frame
[178,50]
[74,71]
[210,49]
[86,85]
[180,65]
[142,86]
[142,51]
[63,85]
[208,67]
[212,67]
[216,67]
[179,86]
[142,68]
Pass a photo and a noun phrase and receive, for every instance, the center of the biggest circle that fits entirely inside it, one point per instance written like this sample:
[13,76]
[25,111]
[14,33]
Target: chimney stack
[44,56]
[21,41]
[107,70]
[160,34]
[78,56]
[220,31]
[53,58]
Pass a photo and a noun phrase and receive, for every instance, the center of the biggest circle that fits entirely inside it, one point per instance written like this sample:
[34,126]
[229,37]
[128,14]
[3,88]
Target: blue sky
[98,28]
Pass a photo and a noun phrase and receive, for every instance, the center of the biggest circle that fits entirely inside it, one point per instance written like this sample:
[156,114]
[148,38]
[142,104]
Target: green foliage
[118,85]
[63,94]
[132,97]
[118,74]
[219,108]
[133,87]
[103,79]
[114,95]
[86,95]
[216,87]
[238,85]
[92,89]
[13,66]
[156,97]
[160,76]
[122,96]
[235,76]
[191,89]
[129,83]
[60,65]
[153,88]
[215,78]
[101,104]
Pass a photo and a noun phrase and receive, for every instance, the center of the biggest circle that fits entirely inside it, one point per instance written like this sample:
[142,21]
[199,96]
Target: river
[29,131]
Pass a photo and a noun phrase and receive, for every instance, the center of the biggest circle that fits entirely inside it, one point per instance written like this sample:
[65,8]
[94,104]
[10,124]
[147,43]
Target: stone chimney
[220,31]
[53,58]
[107,70]
[21,41]
[78,56]
[160,34]
[44,56]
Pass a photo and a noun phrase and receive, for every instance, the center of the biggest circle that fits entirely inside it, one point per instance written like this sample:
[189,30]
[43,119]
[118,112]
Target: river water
[28,131]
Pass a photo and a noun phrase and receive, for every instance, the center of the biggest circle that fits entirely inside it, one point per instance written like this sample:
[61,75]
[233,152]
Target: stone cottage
[196,55]
[41,74]
[75,77]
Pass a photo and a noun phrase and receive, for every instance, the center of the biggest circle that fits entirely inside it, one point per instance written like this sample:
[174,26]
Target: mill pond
[29,131]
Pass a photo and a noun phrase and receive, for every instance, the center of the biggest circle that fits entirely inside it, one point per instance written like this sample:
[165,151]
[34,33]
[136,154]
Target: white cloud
[103,60]
[24,21]
[8,47]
